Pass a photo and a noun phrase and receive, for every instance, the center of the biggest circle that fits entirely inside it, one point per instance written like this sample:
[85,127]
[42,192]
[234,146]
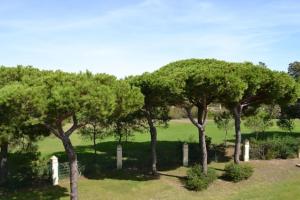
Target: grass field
[275,179]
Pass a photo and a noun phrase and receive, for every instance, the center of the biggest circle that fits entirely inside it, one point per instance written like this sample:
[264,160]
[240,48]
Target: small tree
[224,121]
[259,121]
[125,119]
[286,124]
[94,130]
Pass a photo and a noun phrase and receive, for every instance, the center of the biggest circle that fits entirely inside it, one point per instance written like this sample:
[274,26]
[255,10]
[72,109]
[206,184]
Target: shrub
[286,124]
[273,148]
[238,172]
[197,181]
[27,169]
[260,121]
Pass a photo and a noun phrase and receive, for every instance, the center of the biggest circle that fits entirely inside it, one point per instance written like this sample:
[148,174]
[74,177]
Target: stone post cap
[246,141]
[119,146]
[54,158]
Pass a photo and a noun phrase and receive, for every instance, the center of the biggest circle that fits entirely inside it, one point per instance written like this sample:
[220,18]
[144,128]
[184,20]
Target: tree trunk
[73,167]
[153,148]
[202,142]
[237,122]
[153,134]
[94,141]
[203,150]
[225,139]
[3,162]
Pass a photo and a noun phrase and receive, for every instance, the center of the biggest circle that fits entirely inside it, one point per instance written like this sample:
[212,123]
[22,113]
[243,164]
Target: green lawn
[276,179]
[179,130]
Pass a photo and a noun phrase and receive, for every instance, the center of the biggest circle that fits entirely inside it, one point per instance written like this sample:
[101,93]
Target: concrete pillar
[298,153]
[246,150]
[54,170]
[185,156]
[119,157]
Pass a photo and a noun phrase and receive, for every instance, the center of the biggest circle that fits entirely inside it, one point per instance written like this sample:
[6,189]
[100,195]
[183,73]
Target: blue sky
[131,37]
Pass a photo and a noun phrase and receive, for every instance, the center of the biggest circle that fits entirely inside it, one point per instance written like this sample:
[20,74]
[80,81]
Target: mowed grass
[276,179]
[177,130]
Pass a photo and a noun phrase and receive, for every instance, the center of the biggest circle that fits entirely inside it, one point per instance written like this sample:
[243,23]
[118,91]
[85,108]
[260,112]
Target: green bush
[286,124]
[27,169]
[274,148]
[197,181]
[238,172]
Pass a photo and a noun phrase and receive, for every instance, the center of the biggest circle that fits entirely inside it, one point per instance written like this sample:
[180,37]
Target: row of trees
[35,103]
[237,86]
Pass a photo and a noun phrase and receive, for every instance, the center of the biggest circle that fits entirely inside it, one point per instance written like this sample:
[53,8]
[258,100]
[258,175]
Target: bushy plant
[197,181]
[224,121]
[260,121]
[273,148]
[238,172]
[27,169]
[286,124]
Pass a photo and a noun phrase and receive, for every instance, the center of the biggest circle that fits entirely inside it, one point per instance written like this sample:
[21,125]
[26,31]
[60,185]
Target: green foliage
[286,124]
[274,148]
[28,169]
[238,172]
[157,96]
[197,181]
[294,69]
[224,121]
[259,121]
[126,117]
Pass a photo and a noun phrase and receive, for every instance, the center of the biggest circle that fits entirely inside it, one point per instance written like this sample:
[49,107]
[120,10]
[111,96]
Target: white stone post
[54,170]
[185,151]
[246,150]
[119,157]
[298,153]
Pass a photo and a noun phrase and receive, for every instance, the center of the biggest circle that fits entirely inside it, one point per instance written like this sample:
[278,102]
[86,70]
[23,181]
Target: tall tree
[258,86]
[75,98]
[155,108]
[197,82]
[18,115]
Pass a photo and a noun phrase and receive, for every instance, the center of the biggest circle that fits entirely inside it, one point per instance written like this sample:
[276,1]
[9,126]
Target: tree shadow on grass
[40,193]
[136,159]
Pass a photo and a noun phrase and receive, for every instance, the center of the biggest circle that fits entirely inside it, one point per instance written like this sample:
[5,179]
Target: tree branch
[54,131]
[189,114]
[74,126]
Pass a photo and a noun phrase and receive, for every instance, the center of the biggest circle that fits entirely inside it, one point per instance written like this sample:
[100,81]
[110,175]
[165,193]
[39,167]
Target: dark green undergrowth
[274,148]
[26,169]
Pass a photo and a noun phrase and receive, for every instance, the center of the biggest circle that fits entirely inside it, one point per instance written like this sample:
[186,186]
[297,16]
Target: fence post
[54,170]
[185,158]
[246,150]
[119,157]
